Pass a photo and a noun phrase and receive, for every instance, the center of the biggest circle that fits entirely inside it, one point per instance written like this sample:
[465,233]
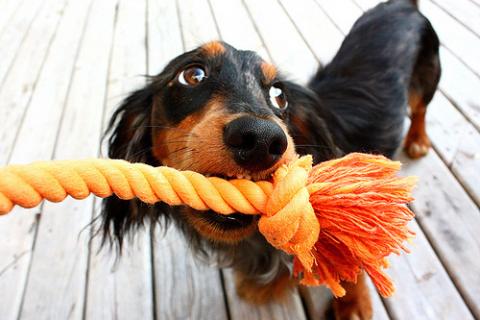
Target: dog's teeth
[248,177]
[239,176]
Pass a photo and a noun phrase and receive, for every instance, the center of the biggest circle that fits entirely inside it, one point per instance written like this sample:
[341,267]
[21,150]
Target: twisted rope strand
[357,200]
[288,222]
[27,185]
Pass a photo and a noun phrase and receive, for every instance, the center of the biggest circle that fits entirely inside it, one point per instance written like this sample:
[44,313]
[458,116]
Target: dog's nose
[257,144]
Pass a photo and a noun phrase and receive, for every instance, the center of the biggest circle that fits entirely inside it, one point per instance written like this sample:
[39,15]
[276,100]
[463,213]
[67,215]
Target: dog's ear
[129,127]
[129,138]
[307,124]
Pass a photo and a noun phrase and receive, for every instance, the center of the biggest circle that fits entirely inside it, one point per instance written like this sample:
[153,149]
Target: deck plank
[454,72]
[461,41]
[164,37]
[290,308]
[423,289]
[457,142]
[434,281]
[319,32]
[328,42]
[123,288]
[36,140]
[343,13]
[448,130]
[465,12]
[236,28]
[20,82]
[184,287]
[294,57]
[13,35]
[455,133]
[460,85]
[440,200]
[198,24]
[57,290]
[8,10]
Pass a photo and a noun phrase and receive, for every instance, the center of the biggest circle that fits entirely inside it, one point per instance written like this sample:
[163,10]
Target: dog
[226,112]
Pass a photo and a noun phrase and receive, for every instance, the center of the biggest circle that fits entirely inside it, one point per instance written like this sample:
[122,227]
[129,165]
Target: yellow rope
[358,200]
[288,220]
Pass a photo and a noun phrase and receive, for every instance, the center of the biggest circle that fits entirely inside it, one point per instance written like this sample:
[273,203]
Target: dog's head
[218,111]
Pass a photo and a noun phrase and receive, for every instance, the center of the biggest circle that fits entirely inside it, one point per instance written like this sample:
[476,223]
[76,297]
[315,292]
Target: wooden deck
[66,64]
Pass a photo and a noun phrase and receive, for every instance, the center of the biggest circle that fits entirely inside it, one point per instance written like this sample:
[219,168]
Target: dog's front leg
[356,304]
[256,291]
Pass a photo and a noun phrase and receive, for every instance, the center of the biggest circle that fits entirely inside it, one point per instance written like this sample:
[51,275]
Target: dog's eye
[192,76]
[277,97]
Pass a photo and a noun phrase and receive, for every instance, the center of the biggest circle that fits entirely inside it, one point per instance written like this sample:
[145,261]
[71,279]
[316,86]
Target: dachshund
[226,112]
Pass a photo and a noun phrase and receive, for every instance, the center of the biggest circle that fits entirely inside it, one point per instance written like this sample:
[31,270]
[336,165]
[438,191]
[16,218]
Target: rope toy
[337,218]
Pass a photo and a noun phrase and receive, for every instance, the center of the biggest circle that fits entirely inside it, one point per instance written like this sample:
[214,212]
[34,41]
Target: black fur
[356,103]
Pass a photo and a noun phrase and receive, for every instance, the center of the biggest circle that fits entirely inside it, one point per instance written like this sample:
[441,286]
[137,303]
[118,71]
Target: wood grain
[288,49]
[14,33]
[19,84]
[423,288]
[321,34]
[464,12]
[57,290]
[121,287]
[237,28]
[464,96]
[290,308]
[36,140]
[185,288]
[8,10]
[59,83]
[461,41]
[442,130]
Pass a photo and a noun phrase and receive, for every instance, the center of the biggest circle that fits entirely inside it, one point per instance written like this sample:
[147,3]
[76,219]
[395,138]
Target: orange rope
[357,200]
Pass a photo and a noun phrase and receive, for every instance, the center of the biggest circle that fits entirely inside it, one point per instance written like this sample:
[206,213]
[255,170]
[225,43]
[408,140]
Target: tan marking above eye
[269,72]
[213,48]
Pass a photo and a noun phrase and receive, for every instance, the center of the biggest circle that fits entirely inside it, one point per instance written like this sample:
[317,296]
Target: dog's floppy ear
[307,124]
[129,127]
[129,138]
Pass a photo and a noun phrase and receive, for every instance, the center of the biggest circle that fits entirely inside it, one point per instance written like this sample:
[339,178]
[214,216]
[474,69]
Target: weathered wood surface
[466,13]
[12,36]
[184,288]
[122,288]
[57,290]
[36,140]
[67,64]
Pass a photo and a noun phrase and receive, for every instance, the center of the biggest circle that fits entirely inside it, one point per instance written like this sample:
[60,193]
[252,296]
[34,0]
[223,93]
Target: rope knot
[289,222]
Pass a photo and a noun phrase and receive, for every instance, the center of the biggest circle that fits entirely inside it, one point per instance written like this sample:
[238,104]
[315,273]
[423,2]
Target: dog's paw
[417,146]
[352,309]
[260,293]
[356,304]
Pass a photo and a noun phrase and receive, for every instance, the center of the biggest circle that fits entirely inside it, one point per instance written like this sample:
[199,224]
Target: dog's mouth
[230,228]
[228,222]
[248,175]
